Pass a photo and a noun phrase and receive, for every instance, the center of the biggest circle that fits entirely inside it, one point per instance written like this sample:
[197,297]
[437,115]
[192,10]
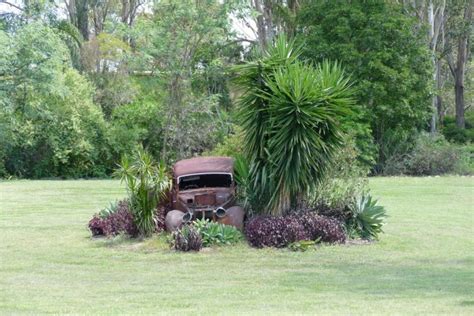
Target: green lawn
[49,264]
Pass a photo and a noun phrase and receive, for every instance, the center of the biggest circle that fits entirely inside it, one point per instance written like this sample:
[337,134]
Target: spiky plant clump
[290,113]
[367,218]
[147,183]
[186,239]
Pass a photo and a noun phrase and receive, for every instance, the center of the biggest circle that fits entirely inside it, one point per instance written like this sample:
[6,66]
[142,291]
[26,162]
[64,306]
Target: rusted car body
[204,187]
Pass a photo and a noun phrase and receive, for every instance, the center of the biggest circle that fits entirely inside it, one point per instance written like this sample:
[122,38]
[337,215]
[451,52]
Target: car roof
[203,165]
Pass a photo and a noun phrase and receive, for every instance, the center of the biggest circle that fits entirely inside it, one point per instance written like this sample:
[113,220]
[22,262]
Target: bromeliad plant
[290,112]
[367,218]
[147,183]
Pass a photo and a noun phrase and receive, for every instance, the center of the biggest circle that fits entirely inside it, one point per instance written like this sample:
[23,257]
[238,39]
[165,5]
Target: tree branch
[12,5]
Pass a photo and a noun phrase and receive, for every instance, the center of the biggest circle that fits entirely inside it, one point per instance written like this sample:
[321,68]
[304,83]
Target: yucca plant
[147,183]
[290,112]
[367,218]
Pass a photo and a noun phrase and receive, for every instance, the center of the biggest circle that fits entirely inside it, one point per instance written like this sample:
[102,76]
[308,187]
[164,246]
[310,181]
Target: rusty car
[204,187]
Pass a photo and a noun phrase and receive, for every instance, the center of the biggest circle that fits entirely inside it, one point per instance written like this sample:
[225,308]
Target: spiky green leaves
[367,219]
[290,112]
[147,184]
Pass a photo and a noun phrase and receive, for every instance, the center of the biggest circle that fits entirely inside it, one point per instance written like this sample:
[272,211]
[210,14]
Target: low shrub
[367,218]
[186,239]
[344,182]
[329,229]
[213,233]
[281,231]
[120,221]
[431,155]
[456,134]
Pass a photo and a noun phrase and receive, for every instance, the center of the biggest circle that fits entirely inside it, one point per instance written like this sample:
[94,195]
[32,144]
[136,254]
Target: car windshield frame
[178,180]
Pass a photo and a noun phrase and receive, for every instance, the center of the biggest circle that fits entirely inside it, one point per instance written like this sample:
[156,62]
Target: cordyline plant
[147,184]
[290,112]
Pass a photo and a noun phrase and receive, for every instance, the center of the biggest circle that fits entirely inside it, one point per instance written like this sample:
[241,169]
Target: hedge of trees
[82,83]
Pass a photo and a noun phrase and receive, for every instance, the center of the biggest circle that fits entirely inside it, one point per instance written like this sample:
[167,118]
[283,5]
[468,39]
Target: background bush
[345,181]
[432,155]
[456,134]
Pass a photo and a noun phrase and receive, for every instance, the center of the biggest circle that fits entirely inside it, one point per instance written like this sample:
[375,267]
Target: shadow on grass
[124,242]
[387,280]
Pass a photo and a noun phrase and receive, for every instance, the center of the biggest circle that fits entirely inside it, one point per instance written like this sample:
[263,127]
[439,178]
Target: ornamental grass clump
[147,184]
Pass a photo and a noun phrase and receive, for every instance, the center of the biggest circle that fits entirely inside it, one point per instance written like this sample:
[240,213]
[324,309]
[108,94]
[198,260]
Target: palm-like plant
[367,218]
[290,113]
[147,183]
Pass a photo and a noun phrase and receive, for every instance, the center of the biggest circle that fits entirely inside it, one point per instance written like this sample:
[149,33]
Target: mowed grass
[424,263]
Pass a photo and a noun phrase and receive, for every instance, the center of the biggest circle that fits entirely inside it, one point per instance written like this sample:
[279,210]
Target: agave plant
[367,218]
[290,113]
[147,183]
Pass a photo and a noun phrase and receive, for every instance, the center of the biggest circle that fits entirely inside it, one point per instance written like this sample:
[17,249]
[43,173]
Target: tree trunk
[82,11]
[431,22]
[435,17]
[460,70]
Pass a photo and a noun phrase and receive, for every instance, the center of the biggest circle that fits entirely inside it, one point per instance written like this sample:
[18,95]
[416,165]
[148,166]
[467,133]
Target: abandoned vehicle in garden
[204,187]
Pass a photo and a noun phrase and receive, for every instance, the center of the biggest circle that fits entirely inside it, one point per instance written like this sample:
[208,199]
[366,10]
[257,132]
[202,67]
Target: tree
[170,45]
[78,12]
[50,124]
[462,29]
[291,117]
[386,55]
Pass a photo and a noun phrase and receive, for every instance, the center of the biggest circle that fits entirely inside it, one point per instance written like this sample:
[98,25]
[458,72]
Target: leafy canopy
[385,53]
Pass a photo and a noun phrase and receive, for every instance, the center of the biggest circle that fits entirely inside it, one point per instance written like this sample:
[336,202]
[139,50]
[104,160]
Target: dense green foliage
[290,114]
[213,233]
[345,180]
[456,134]
[384,51]
[147,184]
[80,90]
[49,123]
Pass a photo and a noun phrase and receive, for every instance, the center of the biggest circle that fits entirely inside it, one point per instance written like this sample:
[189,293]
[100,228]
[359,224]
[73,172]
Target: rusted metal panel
[205,199]
[203,165]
